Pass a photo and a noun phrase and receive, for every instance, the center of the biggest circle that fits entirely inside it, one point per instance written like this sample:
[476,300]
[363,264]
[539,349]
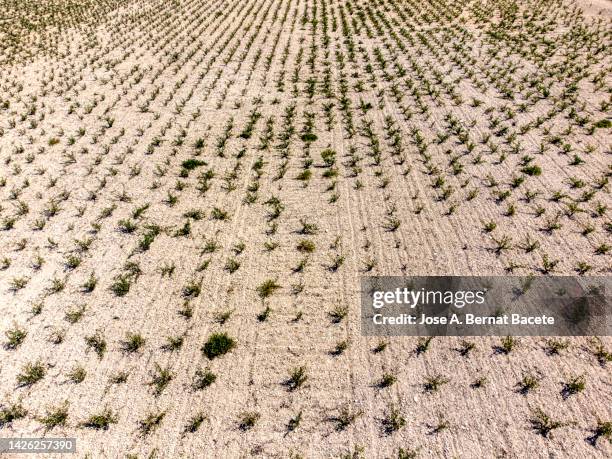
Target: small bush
[387,380]
[55,416]
[423,345]
[528,383]
[31,374]
[543,424]
[203,378]
[248,420]
[554,346]
[309,137]
[77,374]
[192,289]
[132,343]
[217,345]
[346,417]
[532,170]
[393,421]
[433,383]
[194,423]
[508,344]
[297,377]
[173,343]
[121,285]
[267,288]
[160,379]
[603,429]
[151,422]
[306,246]
[101,421]
[338,313]
[192,163]
[11,413]
[15,338]
[574,386]
[97,343]
[294,422]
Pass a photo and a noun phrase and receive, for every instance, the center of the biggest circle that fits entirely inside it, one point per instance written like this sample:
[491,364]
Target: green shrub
[217,345]
[191,164]
[533,170]
[101,421]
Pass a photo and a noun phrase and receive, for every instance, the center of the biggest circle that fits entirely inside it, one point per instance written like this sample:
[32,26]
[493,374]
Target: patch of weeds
[380,347]
[393,420]
[294,422]
[224,316]
[544,424]
[433,383]
[219,214]
[55,416]
[192,289]
[297,377]
[11,412]
[15,337]
[441,425]
[186,311]
[466,348]
[528,383]
[160,379]
[341,346]
[305,246]
[31,373]
[203,378]
[101,421]
[263,315]
[247,420]
[121,285]
[232,265]
[603,124]
[507,345]
[90,284]
[600,352]
[173,343]
[194,423]
[387,380]
[77,374]
[603,430]
[479,382]
[74,315]
[119,378]
[339,312]
[532,170]
[267,288]
[574,386]
[191,164]
[132,343]
[308,228]
[555,346]
[97,343]
[346,417]
[336,262]
[151,422]
[407,453]
[423,345]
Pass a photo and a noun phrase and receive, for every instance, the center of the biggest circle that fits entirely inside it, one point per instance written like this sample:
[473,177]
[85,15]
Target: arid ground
[191,190]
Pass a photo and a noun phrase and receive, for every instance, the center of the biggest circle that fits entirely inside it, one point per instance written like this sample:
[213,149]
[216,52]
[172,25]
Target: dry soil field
[190,191]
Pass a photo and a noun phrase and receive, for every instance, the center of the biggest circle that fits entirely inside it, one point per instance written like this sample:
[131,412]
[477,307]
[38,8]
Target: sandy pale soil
[170,170]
